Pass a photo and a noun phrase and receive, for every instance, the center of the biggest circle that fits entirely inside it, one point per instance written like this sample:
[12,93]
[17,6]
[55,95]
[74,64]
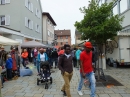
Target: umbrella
[32,44]
[7,41]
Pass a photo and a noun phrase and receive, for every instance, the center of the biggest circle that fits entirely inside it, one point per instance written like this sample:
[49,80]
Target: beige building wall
[48,30]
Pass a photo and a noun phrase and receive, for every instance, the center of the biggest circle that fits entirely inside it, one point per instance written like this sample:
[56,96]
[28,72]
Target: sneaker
[80,93]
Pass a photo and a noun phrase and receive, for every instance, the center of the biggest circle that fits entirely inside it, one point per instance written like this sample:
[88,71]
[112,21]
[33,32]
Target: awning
[7,41]
[32,44]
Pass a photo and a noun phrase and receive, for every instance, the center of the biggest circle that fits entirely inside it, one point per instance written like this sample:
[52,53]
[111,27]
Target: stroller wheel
[37,81]
[46,86]
[51,80]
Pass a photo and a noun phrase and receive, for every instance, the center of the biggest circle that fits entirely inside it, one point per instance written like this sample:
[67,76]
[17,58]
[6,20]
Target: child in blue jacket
[9,64]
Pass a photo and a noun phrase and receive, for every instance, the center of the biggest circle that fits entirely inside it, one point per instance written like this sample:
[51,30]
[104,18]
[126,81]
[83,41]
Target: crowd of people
[64,58]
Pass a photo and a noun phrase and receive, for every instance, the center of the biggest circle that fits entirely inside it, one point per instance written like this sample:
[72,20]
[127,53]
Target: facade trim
[16,33]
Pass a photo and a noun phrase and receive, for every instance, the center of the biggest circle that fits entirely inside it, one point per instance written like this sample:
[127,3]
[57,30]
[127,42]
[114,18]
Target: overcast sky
[65,13]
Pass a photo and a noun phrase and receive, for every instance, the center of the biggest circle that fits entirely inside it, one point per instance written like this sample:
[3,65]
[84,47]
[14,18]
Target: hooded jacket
[9,63]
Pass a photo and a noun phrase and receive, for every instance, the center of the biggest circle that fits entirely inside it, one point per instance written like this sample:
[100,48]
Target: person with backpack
[42,56]
[86,69]
[66,67]
[55,57]
[77,54]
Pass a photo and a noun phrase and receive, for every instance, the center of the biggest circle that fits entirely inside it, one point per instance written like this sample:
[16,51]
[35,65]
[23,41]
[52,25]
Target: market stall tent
[6,41]
[32,44]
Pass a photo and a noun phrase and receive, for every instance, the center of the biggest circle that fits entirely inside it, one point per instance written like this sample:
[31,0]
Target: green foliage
[99,23]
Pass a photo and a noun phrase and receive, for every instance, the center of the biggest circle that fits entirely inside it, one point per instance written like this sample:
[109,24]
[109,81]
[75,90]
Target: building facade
[78,38]
[122,52]
[21,20]
[48,28]
[63,37]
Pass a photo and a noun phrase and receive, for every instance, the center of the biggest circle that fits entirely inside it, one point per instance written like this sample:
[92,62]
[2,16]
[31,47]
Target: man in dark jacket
[55,57]
[66,67]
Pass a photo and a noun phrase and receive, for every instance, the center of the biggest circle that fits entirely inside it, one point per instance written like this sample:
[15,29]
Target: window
[5,20]
[38,13]
[29,5]
[48,33]
[38,28]
[61,43]
[115,10]
[100,3]
[66,37]
[123,5]
[2,20]
[48,21]
[28,23]
[2,2]
[61,37]
[66,42]
[103,1]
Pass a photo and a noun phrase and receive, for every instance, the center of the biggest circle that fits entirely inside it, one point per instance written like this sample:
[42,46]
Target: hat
[88,44]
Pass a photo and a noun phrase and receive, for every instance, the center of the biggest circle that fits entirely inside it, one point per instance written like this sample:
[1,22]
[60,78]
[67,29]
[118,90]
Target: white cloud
[65,13]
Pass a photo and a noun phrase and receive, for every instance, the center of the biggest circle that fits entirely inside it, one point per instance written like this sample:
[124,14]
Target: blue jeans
[92,81]
[35,61]
[38,66]
[55,60]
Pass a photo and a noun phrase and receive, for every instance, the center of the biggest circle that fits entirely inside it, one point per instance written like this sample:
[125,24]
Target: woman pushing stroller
[42,57]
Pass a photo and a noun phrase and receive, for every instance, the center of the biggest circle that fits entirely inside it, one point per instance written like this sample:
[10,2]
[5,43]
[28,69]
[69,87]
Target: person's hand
[83,75]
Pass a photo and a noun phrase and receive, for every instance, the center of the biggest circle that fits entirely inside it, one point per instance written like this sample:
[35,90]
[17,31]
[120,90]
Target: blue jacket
[38,57]
[9,63]
[77,54]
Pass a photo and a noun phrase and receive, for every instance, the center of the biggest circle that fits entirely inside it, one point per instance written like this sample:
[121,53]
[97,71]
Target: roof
[62,32]
[49,16]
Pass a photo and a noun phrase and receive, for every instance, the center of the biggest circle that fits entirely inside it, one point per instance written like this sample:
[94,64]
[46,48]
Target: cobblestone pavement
[27,87]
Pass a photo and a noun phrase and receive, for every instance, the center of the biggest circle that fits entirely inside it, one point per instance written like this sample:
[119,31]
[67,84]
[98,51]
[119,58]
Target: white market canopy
[6,41]
[32,44]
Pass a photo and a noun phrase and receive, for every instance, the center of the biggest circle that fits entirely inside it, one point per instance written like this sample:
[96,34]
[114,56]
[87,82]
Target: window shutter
[26,23]
[36,11]
[40,29]
[7,20]
[31,7]
[26,3]
[32,24]
[7,1]
[35,27]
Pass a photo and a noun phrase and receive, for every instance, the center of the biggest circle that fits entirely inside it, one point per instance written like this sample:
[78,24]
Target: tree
[99,24]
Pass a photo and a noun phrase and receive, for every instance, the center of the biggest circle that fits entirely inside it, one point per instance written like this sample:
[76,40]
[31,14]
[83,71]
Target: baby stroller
[44,74]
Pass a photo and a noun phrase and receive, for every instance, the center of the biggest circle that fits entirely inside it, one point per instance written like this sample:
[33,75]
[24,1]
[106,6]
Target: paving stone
[19,94]
[48,96]
[125,95]
[26,86]
[115,95]
[103,95]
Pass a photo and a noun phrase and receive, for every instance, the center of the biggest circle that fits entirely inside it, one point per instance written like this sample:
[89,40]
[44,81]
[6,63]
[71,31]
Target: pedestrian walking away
[66,67]
[55,57]
[74,57]
[77,54]
[86,69]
